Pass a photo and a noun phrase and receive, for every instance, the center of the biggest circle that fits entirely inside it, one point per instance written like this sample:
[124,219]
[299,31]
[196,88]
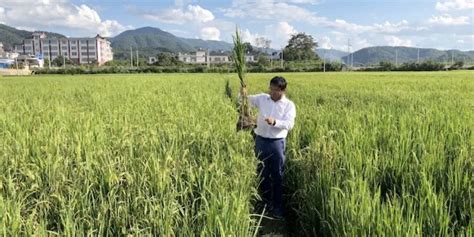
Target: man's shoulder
[261,95]
[288,101]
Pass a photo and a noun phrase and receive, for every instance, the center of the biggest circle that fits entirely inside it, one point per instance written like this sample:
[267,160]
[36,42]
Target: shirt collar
[282,99]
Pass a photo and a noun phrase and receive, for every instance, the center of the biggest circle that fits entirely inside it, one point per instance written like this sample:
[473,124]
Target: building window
[73,42]
[64,48]
[83,53]
[54,54]
[54,47]
[73,48]
[74,54]
[83,48]
[83,41]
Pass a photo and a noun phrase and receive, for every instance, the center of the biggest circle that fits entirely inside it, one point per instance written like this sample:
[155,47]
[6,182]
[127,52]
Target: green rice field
[371,154]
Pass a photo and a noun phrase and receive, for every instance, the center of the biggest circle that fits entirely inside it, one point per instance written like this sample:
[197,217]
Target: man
[275,118]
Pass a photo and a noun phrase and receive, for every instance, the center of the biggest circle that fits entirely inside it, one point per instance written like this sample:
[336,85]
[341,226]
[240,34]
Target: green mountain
[375,55]
[10,36]
[150,41]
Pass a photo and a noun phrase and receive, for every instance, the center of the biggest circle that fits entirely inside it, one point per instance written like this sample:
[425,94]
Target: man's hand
[270,121]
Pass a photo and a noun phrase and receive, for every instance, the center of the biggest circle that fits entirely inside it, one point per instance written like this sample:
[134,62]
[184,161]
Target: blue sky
[442,24]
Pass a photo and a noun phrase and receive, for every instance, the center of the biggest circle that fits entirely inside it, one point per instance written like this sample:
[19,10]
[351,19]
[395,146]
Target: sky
[336,24]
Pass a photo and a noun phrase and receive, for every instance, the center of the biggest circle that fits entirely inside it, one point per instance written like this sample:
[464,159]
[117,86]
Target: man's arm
[252,98]
[288,120]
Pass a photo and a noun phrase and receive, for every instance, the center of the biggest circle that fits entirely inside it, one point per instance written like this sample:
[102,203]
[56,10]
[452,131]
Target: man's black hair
[278,81]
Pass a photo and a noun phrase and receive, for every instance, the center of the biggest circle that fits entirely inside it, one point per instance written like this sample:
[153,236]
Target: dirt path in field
[270,227]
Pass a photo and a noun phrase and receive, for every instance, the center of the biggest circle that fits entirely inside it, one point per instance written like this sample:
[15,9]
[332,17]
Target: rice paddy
[371,154]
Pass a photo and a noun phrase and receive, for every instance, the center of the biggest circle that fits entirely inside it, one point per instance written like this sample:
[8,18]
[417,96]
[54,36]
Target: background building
[199,56]
[202,56]
[78,50]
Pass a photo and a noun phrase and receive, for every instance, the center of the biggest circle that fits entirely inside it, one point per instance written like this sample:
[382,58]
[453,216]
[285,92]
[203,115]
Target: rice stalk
[246,121]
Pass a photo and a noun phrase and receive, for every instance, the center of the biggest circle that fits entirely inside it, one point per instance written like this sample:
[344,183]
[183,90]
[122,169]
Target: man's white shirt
[283,111]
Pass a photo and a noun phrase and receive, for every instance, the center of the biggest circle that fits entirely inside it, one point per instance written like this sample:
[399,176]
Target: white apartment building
[201,56]
[79,50]
[194,57]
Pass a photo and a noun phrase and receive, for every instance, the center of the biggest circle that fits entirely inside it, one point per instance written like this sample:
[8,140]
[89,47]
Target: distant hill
[375,55]
[331,54]
[10,36]
[150,41]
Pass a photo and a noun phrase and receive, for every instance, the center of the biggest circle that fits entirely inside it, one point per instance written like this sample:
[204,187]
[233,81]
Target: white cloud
[247,36]
[267,10]
[450,5]
[396,41]
[280,33]
[193,13]
[285,30]
[301,1]
[447,20]
[210,33]
[196,12]
[325,43]
[57,13]
[277,10]
[388,27]
[346,26]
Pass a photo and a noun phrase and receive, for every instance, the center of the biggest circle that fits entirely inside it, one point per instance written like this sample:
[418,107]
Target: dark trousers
[271,153]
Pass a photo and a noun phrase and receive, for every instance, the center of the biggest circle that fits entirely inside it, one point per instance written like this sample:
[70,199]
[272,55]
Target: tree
[263,60]
[263,43]
[457,65]
[166,59]
[248,48]
[59,61]
[300,47]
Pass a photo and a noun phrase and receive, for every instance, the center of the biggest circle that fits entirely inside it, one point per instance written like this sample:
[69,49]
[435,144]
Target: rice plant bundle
[246,121]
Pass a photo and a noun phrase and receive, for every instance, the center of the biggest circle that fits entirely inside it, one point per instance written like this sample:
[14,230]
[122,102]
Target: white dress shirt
[283,111]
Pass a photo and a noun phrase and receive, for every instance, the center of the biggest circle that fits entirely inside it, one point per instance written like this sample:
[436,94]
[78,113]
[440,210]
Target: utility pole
[396,57]
[137,58]
[281,61]
[349,53]
[131,57]
[208,59]
[452,57]
[64,61]
[324,64]
[16,62]
[418,56]
[352,60]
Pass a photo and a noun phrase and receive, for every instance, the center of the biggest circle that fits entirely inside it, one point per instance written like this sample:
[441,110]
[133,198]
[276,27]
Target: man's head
[277,88]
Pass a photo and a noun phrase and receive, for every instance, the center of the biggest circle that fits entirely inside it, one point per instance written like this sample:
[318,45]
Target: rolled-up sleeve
[288,121]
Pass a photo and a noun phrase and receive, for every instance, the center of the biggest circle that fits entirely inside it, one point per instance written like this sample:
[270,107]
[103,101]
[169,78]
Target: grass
[157,154]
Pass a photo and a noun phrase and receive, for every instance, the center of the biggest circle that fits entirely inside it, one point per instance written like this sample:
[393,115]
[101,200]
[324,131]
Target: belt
[269,139]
